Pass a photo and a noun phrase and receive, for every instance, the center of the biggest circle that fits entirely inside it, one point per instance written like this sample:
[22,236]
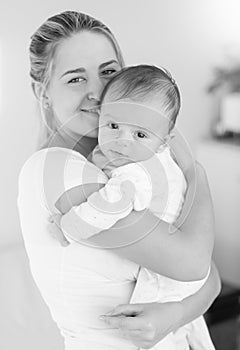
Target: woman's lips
[90,110]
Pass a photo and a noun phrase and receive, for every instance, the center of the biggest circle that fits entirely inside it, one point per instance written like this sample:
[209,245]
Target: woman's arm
[198,303]
[190,247]
[153,321]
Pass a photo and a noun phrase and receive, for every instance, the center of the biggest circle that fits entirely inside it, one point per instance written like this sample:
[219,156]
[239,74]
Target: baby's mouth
[119,154]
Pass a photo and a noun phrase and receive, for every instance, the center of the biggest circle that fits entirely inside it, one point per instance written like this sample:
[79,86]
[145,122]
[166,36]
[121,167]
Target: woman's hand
[55,231]
[145,324]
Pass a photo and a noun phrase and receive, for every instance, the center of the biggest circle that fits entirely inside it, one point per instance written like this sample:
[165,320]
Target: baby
[138,110]
[139,107]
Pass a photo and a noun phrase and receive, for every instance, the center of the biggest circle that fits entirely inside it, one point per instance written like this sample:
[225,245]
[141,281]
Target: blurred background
[191,39]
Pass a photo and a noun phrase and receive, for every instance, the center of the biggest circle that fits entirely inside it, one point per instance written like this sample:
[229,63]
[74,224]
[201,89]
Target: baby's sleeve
[101,210]
[140,178]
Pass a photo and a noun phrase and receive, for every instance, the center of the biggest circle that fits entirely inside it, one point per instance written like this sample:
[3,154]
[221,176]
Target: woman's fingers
[126,310]
[136,329]
[152,323]
[125,323]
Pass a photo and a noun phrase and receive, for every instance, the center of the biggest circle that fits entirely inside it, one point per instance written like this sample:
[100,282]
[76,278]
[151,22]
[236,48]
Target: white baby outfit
[160,186]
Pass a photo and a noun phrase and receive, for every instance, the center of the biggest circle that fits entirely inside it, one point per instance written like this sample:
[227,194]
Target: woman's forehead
[84,49]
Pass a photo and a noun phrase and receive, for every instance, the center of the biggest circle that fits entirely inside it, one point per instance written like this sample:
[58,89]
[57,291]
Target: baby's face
[131,131]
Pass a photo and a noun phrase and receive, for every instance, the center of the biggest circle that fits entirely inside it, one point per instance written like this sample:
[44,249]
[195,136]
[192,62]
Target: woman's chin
[79,132]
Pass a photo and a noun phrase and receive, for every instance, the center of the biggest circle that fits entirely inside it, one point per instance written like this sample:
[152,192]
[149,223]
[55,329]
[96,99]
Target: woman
[72,58]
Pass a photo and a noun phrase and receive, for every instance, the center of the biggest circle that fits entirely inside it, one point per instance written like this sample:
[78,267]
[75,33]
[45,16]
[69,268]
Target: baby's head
[139,107]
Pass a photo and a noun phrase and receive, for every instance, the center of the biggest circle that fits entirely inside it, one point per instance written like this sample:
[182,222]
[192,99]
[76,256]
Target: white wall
[187,37]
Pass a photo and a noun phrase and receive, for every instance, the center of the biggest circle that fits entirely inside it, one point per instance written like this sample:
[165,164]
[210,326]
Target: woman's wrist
[175,310]
[197,304]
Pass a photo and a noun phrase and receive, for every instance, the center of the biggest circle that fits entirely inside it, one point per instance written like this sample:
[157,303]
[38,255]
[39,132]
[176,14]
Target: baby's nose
[123,141]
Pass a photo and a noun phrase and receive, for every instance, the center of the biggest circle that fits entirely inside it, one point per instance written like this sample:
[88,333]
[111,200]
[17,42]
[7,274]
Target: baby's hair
[143,82]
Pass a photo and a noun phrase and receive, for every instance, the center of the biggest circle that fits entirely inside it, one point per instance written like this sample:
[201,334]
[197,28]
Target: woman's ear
[39,94]
[37,89]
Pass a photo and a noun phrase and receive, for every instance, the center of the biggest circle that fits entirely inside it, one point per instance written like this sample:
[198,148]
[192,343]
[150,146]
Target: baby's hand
[55,231]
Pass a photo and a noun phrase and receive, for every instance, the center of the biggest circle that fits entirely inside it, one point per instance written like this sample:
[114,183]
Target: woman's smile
[91,111]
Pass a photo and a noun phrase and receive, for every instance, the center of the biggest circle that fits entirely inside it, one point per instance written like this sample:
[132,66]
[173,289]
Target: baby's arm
[104,208]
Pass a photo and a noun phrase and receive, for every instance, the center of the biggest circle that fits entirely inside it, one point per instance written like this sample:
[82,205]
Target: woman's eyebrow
[72,71]
[82,70]
[107,63]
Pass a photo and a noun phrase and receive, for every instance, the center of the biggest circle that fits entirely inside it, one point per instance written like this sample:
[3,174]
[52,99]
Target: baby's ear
[170,136]
[166,139]
[162,146]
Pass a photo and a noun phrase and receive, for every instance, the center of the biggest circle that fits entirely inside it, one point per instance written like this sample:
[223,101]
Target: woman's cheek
[62,114]
[68,109]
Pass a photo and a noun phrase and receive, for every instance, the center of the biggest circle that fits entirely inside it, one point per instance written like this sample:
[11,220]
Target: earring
[46,104]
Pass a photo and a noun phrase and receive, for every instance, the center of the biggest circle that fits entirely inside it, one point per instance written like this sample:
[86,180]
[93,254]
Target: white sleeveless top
[78,282]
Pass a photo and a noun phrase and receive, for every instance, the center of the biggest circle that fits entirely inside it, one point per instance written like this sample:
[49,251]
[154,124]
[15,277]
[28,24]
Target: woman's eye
[109,72]
[113,125]
[141,135]
[76,80]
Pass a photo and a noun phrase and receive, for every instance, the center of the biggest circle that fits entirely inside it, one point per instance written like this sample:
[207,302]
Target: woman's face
[82,66]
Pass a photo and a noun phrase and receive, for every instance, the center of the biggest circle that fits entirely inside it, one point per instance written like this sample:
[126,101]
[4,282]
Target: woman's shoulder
[55,153]
[54,163]
[51,155]
[53,171]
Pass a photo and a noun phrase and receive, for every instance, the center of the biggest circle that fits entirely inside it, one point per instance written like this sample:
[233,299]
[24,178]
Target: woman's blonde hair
[43,46]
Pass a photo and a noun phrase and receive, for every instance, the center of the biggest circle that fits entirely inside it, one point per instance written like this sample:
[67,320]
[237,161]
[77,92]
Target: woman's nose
[95,88]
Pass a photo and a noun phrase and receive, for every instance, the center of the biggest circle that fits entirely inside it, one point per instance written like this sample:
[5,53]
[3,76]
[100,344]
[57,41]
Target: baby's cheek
[143,152]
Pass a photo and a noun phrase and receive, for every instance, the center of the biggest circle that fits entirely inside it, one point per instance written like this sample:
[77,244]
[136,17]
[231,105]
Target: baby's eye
[76,80]
[141,135]
[113,125]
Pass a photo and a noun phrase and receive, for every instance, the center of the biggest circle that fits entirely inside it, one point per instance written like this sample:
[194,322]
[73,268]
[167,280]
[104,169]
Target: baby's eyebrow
[137,127]
[141,128]
[109,116]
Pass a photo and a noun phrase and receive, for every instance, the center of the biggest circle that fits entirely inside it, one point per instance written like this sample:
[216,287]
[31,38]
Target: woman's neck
[82,144]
